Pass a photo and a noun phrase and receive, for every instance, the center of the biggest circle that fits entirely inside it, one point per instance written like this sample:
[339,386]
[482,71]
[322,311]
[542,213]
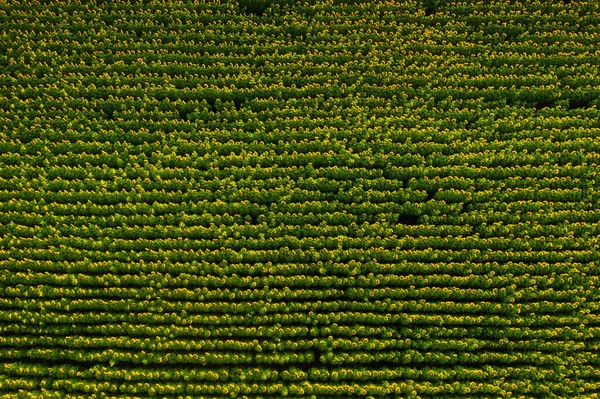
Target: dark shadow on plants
[254,7]
[465,207]
[430,6]
[210,103]
[404,182]
[183,114]
[317,354]
[238,103]
[410,220]
[430,194]
[544,104]
[579,102]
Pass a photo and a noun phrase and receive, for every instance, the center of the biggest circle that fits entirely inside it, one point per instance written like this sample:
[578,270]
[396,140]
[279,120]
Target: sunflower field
[299,198]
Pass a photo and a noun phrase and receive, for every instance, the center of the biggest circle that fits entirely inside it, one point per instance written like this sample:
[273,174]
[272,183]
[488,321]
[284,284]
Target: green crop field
[299,198]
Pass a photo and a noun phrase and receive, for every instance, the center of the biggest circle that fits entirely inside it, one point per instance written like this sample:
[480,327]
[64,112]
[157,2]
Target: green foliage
[301,199]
